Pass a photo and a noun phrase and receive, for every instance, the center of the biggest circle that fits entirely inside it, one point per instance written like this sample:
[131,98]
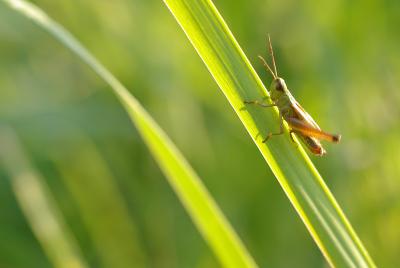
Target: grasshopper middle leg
[277,133]
[270,134]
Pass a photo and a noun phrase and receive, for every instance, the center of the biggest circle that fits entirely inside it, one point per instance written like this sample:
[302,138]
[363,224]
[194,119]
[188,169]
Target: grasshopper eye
[279,86]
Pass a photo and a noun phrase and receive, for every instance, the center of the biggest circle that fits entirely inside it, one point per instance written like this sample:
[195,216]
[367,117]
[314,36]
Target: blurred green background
[341,60]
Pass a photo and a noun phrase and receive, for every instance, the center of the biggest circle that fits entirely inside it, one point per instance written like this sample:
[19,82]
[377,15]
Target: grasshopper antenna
[271,51]
[267,66]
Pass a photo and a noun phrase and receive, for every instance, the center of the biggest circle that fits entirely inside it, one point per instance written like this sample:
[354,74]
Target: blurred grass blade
[304,187]
[195,198]
[113,233]
[38,205]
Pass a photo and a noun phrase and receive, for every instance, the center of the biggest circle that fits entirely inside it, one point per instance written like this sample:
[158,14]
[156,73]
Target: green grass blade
[199,204]
[293,169]
[113,234]
[38,204]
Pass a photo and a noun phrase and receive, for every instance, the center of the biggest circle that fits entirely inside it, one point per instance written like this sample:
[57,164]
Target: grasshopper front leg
[259,103]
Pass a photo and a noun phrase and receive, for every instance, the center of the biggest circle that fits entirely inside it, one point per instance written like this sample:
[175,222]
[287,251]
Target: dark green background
[340,59]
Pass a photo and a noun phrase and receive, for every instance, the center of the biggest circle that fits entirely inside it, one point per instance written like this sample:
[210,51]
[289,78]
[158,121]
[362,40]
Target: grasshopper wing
[304,116]
[304,124]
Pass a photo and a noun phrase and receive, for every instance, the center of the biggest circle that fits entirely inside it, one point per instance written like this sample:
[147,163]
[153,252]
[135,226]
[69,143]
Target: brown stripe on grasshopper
[307,130]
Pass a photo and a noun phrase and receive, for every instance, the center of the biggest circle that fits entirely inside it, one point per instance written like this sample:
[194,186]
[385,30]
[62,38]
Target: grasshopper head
[278,88]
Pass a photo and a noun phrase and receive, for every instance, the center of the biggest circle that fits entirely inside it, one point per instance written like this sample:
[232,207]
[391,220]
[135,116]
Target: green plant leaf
[193,195]
[293,169]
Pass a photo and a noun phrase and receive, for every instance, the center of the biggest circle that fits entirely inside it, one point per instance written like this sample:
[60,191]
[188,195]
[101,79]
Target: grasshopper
[298,120]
